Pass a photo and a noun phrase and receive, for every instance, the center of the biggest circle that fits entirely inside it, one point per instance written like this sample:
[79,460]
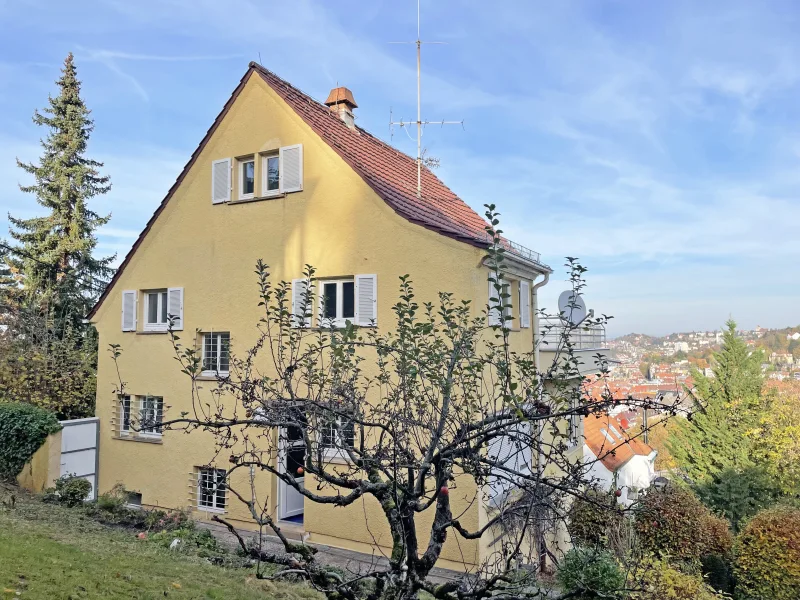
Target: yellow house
[284,178]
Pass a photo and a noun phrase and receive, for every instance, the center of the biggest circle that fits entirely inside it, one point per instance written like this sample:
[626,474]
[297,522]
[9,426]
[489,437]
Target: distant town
[645,366]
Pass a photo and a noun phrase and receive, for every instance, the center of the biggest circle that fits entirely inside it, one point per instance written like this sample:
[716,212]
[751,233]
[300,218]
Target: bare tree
[404,415]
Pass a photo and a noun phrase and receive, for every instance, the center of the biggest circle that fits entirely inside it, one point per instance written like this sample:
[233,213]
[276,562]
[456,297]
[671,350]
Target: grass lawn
[54,553]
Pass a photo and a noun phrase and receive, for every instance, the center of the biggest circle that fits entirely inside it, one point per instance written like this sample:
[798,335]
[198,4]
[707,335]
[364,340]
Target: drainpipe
[536,286]
[535,289]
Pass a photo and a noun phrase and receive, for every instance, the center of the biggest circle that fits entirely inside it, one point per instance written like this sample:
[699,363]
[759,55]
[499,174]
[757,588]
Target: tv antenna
[419,122]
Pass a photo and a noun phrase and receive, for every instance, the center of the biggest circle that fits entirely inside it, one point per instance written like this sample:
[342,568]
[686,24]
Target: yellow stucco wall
[44,467]
[337,223]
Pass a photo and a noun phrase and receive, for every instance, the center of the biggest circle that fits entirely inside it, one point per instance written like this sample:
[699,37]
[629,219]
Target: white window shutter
[301,303]
[524,304]
[175,307]
[129,310]
[366,300]
[494,312]
[291,169]
[221,181]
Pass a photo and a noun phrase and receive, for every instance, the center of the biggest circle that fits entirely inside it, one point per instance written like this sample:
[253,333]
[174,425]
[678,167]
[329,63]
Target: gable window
[247,178]
[211,489]
[160,305]
[216,353]
[155,310]
[124,415]
[270,174]
[151,414]
[337,302]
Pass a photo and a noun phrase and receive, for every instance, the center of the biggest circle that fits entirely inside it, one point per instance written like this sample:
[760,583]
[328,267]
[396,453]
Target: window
[345,436]
[337,302]
[216,353]
[247,178]
[125,415]
[155,310]
[270,174]
[151,415]
[211,489]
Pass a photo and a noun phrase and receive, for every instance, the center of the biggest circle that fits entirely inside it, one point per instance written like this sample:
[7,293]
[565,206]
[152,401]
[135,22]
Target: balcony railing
[583,337]
[519,250]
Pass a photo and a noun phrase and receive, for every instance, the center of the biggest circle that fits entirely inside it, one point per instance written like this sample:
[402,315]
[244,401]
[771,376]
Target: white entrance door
[79,439]
[292,458]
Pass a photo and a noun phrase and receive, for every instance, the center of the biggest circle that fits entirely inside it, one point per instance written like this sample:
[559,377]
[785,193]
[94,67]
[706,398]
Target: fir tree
[55,252]
[718,437]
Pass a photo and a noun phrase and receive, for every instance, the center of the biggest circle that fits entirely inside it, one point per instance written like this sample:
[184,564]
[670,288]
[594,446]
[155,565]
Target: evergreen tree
[719,435]
[55,252]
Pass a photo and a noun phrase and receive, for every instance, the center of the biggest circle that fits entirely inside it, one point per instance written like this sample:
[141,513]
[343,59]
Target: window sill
[258,198]
[152,332]
[336,458]
[208,509]
[208,376]
[144,439]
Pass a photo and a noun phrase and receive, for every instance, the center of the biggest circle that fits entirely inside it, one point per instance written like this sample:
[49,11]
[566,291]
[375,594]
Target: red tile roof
[612,454]
[391,174]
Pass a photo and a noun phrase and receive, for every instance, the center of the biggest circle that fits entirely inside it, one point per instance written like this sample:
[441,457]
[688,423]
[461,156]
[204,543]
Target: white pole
[419,111]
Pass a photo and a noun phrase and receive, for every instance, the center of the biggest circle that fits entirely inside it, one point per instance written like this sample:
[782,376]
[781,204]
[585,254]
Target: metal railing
[519,250]
[582,337]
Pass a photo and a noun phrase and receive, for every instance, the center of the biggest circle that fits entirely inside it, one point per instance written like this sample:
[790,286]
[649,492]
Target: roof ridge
[310,99]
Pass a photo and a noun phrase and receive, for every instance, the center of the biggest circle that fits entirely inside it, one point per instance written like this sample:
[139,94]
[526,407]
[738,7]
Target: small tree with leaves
[428,418]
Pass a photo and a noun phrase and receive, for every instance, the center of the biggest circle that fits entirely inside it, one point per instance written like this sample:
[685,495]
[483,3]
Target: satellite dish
[571,307]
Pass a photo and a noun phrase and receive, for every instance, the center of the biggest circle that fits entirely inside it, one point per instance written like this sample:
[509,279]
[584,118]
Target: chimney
[341,101]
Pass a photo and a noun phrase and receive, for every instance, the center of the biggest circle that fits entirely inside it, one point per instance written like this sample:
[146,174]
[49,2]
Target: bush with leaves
[672,523]
[591,573]
[661,581]
[69,490]
[595,519]
[768,556]
[23,429]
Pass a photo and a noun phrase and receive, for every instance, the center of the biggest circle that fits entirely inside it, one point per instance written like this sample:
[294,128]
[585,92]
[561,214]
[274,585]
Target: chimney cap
[341,95]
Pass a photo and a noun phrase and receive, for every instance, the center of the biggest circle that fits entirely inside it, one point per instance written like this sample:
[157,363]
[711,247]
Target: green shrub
[673,523]
[718,571]
[768,556]
[200,542]
[23,429]
[591,573]
[660,581]
[594,519]
[69,491]
[113,500]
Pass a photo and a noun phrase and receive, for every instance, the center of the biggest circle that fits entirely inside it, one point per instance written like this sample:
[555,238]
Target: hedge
[768,556]
[23,429]
[673,523]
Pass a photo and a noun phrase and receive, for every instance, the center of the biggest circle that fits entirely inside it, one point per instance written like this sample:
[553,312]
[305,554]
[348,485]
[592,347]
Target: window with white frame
[337,302]
[338,432]
[270,174]
[155,310]
[247,178]
[216,353]
[124,414]
[151,415]
[211,489]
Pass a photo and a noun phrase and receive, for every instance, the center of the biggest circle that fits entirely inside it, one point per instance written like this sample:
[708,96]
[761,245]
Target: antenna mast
[419,122]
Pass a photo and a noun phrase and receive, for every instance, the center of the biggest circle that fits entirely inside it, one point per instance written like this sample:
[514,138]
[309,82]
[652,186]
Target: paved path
[348,560]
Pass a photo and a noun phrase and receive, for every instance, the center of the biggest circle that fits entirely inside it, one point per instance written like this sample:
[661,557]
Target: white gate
[79,441]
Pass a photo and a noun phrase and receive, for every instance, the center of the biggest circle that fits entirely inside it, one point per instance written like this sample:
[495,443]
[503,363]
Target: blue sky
[657,141]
